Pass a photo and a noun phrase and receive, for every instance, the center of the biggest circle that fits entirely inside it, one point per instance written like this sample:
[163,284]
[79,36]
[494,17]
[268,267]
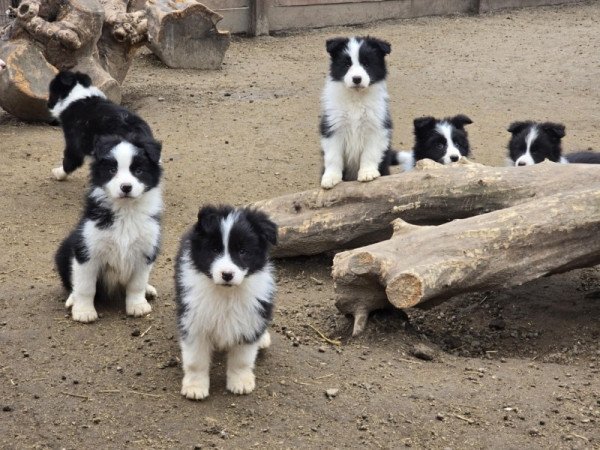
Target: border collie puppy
[85,114]
[356,128]
[111,251]
[224,292]
[442,140]
[533,142]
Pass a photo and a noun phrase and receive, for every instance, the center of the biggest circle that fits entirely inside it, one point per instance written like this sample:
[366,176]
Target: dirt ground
[512,369]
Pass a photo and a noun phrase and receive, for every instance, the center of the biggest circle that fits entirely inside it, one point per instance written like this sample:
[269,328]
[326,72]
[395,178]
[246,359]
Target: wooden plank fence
[259,17]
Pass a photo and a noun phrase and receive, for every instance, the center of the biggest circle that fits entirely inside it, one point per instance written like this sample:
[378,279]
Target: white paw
[195,390]
[241,382]
[138,309]
[85,315]
[329,180]
[69,301]
[368,174]
[59,173]
[151,293]
[265,340]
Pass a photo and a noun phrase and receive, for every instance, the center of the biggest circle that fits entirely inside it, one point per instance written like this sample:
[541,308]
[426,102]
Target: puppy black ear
[151,147]
[67,78]
[517,127]
[83,79]
[423,124]
[556,130]
[208,219]
[334,45]
[383,46]
[104,144]
[460,121]
[262,225]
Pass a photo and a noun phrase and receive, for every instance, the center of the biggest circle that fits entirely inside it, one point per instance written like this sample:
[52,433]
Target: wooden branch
[354,214]
[500,249]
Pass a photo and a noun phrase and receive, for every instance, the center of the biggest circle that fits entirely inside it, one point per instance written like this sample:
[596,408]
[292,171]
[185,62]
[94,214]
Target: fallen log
[500,249]
[354,214]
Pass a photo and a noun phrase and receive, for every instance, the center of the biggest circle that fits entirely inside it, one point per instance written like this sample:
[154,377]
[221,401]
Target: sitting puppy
[85,114]
[224,291]
[442,140]
[533,142]
[113,248]
[355,128]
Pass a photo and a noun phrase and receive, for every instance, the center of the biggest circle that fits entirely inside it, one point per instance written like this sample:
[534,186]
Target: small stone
[534,432]
[119,369]
[96,420]
[7,408]
[321,349]
[440,417]
[332,393]
[161,99]
[136,332]
[423,352]
[497,324]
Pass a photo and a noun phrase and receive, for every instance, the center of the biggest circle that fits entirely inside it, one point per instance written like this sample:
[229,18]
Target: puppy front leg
[240,368]
[333,158]
[371,158]
[135,300]
[72,160]
[81,299]
[195,356]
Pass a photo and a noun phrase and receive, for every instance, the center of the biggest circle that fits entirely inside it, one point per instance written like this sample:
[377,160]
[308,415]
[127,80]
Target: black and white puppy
[225,291]
[533,142]
[85,114]
[356,128]
[113,248]
[442,140]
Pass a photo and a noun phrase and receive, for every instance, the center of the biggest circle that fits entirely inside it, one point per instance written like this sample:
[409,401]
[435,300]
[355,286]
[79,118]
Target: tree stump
[99,37]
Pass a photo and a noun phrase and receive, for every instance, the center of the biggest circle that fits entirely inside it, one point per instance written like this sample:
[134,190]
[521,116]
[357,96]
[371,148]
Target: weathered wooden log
[500,249]
[354,214]
[99,37]
[184,34]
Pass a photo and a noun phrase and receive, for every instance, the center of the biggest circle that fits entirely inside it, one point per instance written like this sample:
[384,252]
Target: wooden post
[259,17]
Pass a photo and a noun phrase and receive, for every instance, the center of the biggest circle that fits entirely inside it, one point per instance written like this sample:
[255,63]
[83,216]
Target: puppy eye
[440,146]
[138,171]
[216,250]
[242,251]
[112,170]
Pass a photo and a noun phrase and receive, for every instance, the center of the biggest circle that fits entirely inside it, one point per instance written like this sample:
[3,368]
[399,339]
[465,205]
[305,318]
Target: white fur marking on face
[356,69]
[124,153]
[224,263]
[445,129]
[77,93]
[526,159]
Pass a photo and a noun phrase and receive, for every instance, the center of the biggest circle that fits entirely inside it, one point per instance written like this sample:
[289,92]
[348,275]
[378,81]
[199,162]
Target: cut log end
[405,290]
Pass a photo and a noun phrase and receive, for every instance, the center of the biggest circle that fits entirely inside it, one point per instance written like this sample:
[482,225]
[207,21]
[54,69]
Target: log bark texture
[354,214]
[500,249]
[99,37]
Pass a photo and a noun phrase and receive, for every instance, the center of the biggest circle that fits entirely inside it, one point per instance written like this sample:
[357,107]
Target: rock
[423,352]
[7,408]
[440,417]
[136,332]
[497,324]
[331,393]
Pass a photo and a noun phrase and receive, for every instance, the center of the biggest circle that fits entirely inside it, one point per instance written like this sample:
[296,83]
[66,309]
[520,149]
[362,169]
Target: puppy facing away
[533,142]
[355,127]
[111,251]
[85,114]
[225,291]
[442,140]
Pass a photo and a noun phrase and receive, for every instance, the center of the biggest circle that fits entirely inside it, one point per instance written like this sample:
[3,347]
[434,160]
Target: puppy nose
[126,188]
[356,80]
[227,276]
[454,158]
[521,163]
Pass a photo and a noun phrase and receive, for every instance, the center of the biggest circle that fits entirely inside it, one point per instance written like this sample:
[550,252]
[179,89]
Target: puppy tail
[403,158]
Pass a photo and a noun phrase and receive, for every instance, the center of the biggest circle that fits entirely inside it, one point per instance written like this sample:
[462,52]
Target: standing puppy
[225,291]
[113,248]
[86,114]
[356,128]
[533,142]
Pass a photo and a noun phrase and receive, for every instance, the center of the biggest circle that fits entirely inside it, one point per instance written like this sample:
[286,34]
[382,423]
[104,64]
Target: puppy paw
[368,174]
[151,293]
[69,301]
[84,315]
[195,390]
[241,382]
[138,309]
[264,341]
[329,180]
[59,173]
